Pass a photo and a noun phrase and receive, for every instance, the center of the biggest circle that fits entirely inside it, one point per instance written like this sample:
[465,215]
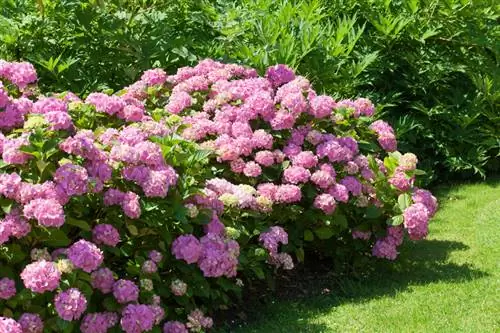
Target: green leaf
[395,220]
[324,233]
[308,235]
[373,212]
[132,229]
[419,172]
[340,220]
[57,238]
[78,223]
[6,205]
[260,252]
[300,254]
[404,201]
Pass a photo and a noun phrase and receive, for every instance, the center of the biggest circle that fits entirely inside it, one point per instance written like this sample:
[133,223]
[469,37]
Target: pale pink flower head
[296,175]
[252,169]
[416,220]
[154,76]
[288,194]
[8,325]
[326,203]
[149,267]
[41,276]
[48,212]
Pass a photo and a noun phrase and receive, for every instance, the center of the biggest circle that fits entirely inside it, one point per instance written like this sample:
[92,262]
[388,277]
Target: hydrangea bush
[146,209]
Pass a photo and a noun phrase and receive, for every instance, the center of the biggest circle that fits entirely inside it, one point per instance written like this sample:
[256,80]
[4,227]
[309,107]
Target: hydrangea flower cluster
[119,181]
[215,255]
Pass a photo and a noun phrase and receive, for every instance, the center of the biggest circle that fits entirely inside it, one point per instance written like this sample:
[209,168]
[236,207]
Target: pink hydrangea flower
[252,169]
[386,247]
[154,76]
[105,234]
[178,287]
[325,202]
[125,291]
[296,175]
[49,104]
[339,192]
[105,103]
[19,73]
[416,220]
[98,322]
[272,238]
[137,318]
[103,280]
[288,194]
[31,323]
[427,199]
[174,327]
[187,248]
[280,74]
[305,159]
[131,205]
[59,120]
[155,256]
[8,325]
[73,179]
[352,184]
[70,304]
[149,267]
[265,158]
[197,321]
[358,234]
[48,212]
[401,181]
[7,288]
[41,276]
[218,256]
[85,255]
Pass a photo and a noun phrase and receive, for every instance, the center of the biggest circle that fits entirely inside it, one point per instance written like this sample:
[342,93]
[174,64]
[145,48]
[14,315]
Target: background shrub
[71,41]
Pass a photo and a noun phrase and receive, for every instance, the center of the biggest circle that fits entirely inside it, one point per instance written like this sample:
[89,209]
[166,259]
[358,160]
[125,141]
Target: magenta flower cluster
[98,181]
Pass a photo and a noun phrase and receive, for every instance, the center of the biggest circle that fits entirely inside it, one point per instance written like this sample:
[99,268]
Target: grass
[446,283]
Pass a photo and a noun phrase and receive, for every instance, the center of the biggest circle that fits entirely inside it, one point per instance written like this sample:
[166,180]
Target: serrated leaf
[395,220]
[132,229]
[340,220]
[404,201]
[57,238]
[324,233]
[308,235]
[373,212]
[78,223]
[300,254]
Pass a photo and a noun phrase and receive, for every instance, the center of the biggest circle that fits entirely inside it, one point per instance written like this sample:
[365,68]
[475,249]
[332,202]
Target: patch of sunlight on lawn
[446,283]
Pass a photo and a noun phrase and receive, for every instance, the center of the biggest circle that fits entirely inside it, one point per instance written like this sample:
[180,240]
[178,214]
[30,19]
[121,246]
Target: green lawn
[446,283]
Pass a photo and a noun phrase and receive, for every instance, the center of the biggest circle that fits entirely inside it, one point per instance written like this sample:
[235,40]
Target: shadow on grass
[419,263]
